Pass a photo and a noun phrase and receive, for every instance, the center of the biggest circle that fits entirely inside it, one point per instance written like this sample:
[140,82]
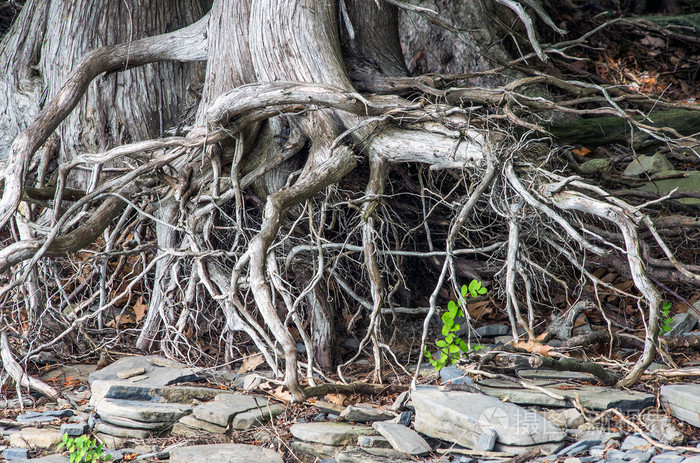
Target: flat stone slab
[42,438]
[133,424]
[683,401]
[330,433]
[592,397]
[224,453]
[222,411]
[192,422]
[364,456]
[256,416]
[462,417]
[125,433]
[126,390]
[373,442]
[159,371]
[315,449]
[147,412]
[45,416]
[363,413]
[401,438]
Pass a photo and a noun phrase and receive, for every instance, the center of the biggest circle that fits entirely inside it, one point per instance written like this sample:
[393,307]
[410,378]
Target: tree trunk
[49,38]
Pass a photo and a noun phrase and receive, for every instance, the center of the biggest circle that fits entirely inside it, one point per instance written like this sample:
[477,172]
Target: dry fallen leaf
[338,399]
[140,308]
[251,363]
[534,347]
[281,394]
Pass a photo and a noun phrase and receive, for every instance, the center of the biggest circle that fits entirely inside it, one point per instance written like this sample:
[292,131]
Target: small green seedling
[452,346]
[666,318]
[84,449]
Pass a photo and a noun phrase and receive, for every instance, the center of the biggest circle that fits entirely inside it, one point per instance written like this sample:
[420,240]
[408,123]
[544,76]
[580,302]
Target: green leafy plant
[452,346]
[84,449]
[666,318]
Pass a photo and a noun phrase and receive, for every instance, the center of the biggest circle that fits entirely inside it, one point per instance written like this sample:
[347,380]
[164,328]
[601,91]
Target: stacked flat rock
[683,401]
[140,378]
[326,439]
[137,419]
[233,411]
[133,400]
[471,419]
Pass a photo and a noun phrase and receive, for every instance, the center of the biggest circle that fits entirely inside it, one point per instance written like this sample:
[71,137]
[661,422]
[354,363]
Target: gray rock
[462,417]
[45,416]
[373,442]
[329,407]
[75,429]
[330,433]
[487,440]
[454,375]
[405,418]
[92,420]
[221,412]
[315,449]
[327,460]
[364,413]
[668,457]
[579,447]
[125,433]
[133,424]
[357,455]
[192,422]
[501,340]
[493,330]
[123,389]
[648,165]
[642,456]
[615,454]
[42,438]
[547,448]
[662,429]
[681,324]
[224,453]
[595,166]
[112,441]
[181,430]
[694,459]
[689,182]
[14,453]
[142,411]
[126,374]
[256,417]
[634,442]
[683,401]
[595,434]
[401,438]
[592,397]
[567,418]
[401,401]
[159,371]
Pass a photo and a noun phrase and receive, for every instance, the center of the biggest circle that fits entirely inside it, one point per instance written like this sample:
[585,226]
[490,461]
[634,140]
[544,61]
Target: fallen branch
[15,371]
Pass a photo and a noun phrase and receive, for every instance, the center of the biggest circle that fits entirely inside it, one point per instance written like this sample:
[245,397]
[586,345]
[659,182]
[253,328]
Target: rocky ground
[151,408]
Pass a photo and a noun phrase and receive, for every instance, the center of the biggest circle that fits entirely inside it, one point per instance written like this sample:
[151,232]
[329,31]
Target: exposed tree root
[295,188]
